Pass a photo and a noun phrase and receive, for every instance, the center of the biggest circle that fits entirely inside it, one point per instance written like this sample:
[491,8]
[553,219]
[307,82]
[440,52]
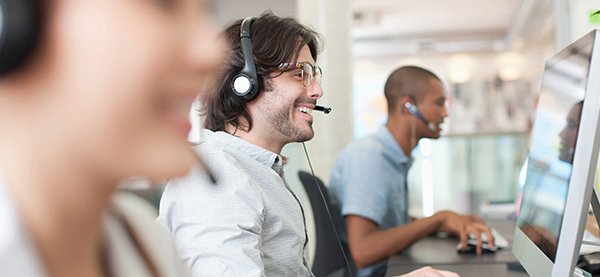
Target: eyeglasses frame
[317,72]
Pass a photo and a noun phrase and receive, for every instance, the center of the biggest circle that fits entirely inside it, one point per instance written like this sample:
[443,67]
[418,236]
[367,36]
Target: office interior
[490,55]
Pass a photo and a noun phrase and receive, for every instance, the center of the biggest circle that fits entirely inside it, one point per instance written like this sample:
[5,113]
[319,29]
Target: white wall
[580,17]
[573,20]
[228,10]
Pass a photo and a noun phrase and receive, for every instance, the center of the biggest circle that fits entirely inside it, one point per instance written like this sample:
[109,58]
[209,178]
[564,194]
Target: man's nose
[315,90]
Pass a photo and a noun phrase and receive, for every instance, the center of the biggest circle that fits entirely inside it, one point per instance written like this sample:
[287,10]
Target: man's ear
[402,102]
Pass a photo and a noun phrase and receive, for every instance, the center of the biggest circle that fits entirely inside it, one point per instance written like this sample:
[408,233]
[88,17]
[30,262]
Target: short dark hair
[407,80]
[275,40]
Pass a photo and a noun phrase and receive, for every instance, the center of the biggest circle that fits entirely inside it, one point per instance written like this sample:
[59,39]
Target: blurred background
[489,53]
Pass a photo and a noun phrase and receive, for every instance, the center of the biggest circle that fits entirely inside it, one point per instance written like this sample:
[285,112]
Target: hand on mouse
[430,272]
[463,225]
[472,246]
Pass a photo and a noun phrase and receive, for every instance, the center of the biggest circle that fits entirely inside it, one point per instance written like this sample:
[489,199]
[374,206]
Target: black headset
[19,28]
[246,84]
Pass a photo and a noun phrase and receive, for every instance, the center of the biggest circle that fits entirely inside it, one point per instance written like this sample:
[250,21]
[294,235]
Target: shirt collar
[261,155]
[393,149]
[17,251]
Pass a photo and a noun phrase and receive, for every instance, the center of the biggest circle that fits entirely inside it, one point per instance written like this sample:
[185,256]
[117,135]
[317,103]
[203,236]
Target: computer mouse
[472,248]
[499,240]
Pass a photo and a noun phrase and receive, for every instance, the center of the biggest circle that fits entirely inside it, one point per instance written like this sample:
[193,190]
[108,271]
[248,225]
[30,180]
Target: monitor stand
[595,202]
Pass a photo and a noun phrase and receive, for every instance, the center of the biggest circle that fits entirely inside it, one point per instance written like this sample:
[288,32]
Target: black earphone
[246,85]
[19,28]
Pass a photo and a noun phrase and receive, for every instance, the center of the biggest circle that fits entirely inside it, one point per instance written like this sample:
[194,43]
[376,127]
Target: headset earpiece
[414,111]
[245,84]
[19,28]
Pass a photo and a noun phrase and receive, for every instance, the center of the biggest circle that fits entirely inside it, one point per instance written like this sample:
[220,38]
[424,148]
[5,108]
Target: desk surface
[441,253]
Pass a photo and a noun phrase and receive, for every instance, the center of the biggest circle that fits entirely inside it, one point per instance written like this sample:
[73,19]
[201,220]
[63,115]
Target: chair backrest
[329,259]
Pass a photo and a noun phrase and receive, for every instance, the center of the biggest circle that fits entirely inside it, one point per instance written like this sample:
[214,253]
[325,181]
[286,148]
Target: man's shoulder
[216,143]
[362,154]
[228,149]
[369,145]
[217,152]
[233,170]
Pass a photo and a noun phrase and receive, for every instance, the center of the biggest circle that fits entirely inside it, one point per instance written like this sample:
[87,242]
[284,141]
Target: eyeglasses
[309,72]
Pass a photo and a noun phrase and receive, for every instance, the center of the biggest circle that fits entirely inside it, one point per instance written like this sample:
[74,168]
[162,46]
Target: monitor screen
[552,149]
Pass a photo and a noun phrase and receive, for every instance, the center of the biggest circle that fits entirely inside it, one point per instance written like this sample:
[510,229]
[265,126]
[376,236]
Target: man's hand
[463,225]
[430,272]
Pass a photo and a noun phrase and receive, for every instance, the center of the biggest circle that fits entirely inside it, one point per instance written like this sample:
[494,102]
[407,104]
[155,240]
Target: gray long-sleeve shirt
[249,223]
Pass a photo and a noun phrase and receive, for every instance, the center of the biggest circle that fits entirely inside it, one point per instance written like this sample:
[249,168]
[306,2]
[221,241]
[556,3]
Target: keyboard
[499,243]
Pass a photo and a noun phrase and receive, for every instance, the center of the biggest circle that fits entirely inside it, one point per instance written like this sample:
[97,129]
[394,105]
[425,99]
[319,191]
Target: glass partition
[464,173]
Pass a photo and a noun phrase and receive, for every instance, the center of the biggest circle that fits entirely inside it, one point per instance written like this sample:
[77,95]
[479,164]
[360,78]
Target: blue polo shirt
[368,179]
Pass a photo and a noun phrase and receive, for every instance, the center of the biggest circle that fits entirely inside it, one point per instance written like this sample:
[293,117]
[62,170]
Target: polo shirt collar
[393,149]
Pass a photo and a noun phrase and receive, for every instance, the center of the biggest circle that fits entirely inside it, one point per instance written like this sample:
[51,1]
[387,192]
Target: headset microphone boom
[413,110]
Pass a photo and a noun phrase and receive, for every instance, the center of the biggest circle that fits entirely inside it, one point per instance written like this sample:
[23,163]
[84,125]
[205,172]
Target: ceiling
[403,27]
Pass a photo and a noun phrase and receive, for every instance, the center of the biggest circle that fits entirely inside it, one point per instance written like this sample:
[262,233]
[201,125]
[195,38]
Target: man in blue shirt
[368,179]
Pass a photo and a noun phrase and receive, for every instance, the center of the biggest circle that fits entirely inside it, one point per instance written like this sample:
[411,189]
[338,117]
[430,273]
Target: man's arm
[368,245]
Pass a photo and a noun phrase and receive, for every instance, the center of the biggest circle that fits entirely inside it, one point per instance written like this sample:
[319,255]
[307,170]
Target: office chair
[329,260]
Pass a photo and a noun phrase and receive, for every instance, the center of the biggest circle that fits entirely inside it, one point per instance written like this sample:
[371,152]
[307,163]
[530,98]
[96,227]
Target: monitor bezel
[579,192]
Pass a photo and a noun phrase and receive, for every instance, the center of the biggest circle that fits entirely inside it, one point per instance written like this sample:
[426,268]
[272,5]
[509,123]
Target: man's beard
[278,114]
[285,125]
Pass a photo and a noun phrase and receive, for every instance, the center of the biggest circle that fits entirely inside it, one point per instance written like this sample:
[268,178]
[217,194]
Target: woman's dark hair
[275,40]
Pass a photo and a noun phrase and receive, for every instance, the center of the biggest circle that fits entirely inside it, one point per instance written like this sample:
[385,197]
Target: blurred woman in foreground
[104,95]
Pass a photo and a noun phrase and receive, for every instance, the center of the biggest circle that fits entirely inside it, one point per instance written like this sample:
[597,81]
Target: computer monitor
[562,162]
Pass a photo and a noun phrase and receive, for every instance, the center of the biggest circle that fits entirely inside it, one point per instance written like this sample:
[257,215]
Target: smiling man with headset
[368,179]
[250,222]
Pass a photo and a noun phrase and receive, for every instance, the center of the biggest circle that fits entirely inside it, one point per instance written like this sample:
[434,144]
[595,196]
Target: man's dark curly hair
[275,40]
